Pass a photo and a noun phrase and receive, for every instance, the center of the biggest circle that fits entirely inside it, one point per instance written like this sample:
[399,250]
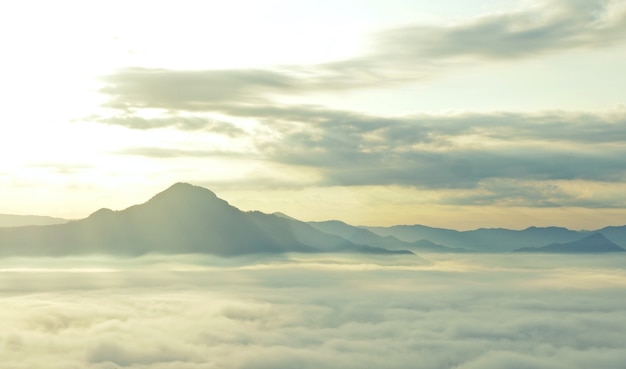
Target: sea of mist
[314,311]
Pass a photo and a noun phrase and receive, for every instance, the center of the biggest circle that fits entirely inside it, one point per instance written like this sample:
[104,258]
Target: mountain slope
[596,243]
[364,236]
[615,234]
[181,219]
[9,220]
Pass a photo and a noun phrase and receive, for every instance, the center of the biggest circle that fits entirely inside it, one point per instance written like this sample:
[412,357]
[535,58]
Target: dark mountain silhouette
[181,219]
[9,220]
[595,243]
[364,236]
[484,239]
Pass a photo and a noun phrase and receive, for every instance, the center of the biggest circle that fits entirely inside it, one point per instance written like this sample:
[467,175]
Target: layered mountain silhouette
[9,220]
[495,239]
[365,236]
[191,219]
[182,219]
[595,243]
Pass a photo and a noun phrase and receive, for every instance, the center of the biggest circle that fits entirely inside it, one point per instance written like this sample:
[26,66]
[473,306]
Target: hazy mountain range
[9,220]
[502,240]
[596,242]
[191,219]
[181,219]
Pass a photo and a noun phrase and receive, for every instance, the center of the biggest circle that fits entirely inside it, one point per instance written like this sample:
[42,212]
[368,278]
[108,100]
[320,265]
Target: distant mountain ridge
[495,239]
[365,236]
[182,219]
[595,243]
[11,220]
[191,219]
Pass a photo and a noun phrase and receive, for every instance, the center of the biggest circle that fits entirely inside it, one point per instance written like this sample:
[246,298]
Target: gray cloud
[405,54]
[462,311]
[505,158]
[460,168]
[238,92]
[549,26]
[192,90]
[187,123]
[422,151]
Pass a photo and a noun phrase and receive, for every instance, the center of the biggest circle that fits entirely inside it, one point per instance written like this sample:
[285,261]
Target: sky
[457,114]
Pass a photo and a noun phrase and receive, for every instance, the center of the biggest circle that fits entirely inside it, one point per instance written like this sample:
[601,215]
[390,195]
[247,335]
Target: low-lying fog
[312,311]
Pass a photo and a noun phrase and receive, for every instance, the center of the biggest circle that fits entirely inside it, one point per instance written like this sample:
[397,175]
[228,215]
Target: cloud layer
[456,312]
[539,159]
[542,26]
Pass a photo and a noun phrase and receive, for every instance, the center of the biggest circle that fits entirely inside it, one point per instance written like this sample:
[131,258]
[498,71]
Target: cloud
[520,159]
[186,123]
[495,158]
[199,312]
[456,151]
[504,359]
[546,26]
[398,55]
[193,89]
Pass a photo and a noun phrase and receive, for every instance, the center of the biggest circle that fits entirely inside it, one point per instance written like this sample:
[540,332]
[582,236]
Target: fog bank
[452,311]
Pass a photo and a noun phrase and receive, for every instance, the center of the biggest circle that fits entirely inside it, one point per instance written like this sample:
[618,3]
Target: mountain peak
[595,240]
[283,215]
[187,196]
[101,213]
[187,187]
[186,190]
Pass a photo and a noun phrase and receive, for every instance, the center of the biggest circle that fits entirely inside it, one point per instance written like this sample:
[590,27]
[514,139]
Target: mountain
[191,219]
[615,234]
[9,220]
[364,236]
[595,243]
[182,219]
[481,240]
[429,246]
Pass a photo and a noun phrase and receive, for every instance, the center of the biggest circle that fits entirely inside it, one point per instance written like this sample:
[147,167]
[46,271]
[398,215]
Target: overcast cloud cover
[182,312]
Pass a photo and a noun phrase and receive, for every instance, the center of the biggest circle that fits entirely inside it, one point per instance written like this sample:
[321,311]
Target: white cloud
[158,313]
